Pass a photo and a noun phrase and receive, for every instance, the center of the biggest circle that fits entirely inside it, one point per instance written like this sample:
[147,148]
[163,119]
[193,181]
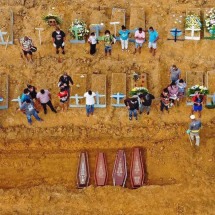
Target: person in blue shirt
[124,34]
[25,95]
[153,37]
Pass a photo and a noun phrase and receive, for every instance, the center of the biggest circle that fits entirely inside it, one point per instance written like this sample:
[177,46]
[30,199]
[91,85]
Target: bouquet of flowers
[201,89]
[193,20]
[48,17]
[138,90]
[79,28]
[210,20]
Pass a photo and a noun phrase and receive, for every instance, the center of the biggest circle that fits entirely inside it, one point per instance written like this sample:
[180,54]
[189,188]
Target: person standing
[153,38]
[139,40]
[44,97]
[92,41]
[173,93]
[108,41]
[29,110]
[132,105]
[181,88]
[90,101]
[193,131]
[63,95]
[124,34]
[65,80]
[25,95]
[145,102]
[58,38]
[27,44]
[197,104]
[164,100]
[175,73]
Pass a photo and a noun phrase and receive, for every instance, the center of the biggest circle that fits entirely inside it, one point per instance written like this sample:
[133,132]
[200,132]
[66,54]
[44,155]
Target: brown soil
[39,163]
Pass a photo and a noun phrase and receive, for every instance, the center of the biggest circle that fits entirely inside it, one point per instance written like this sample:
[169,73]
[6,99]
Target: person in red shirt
[63,95]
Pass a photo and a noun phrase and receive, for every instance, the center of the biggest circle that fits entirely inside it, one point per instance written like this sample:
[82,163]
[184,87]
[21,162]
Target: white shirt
[44,98]
[92,39]
[90,98]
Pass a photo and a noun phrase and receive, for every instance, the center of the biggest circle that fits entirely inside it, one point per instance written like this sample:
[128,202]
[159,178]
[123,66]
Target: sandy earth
[39,163]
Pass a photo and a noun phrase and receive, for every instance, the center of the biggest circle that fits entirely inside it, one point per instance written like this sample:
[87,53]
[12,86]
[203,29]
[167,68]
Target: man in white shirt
[44,97]
[90,101]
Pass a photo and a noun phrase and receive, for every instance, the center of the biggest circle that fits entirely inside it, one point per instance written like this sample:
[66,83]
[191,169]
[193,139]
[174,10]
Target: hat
[192,117]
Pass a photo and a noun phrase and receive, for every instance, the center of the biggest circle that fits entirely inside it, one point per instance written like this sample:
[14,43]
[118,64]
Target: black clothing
[132,103]
[164,102]
[49,103]
[33,93]
[65,80]
[58,38]
[147,99]
[92,49]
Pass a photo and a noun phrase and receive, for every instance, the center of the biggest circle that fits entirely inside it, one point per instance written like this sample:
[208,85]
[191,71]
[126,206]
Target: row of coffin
[119,174]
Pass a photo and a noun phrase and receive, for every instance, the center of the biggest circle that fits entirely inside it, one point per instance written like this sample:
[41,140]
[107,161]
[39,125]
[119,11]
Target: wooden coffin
[101,173]
[120,169]
[83,173]
[137,169]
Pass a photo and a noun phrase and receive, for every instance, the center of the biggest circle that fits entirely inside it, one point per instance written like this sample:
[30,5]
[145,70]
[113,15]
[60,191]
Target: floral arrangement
[193,20]
[79,28]
[51,16]
[201,89]
[138,90]
[210,20]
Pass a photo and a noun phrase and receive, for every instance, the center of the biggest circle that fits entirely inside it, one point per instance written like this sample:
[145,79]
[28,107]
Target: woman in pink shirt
[139,39]
[173,93]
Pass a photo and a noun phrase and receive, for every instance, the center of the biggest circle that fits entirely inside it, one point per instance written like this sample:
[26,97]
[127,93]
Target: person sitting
[132,105]
[164,100]
[173,93]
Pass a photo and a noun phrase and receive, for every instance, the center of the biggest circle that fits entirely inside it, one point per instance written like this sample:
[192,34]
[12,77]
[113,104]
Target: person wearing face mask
[26,43]
[124,34]
[58,38]
[108,41]
[64,81]
[139,40]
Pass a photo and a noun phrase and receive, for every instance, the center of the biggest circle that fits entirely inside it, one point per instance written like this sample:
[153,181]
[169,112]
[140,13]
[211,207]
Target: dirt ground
[38,163]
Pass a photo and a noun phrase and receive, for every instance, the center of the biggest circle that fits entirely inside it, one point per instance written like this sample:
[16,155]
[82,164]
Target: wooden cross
[97,28]
[97,100]
[2,41]
[175,33]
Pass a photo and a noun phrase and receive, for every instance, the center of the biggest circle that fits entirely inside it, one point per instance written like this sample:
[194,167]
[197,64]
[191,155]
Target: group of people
[59,38]
[31,100]
[124,33]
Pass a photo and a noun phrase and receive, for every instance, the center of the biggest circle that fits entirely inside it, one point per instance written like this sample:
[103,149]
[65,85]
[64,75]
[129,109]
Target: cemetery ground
[38,163]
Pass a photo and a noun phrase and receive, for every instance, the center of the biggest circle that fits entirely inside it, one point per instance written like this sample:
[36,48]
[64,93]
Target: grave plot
[99,87]
[117,20]
[137,20]
[175,26]
[210,84]
[193,24]
[97,20]
[78,89]
[3,91]
[78,29]
[118,89]
[6,27]
[209,23]
[192,79]
[139,80]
